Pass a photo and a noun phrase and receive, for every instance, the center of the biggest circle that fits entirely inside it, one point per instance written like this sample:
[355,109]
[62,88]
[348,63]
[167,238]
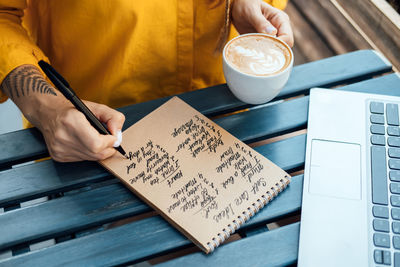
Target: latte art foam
[258,55]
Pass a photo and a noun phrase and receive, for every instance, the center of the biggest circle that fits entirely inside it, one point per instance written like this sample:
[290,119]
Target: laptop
[351,193]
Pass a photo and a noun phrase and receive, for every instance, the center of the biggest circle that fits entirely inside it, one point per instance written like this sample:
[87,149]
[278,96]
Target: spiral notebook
[200,178]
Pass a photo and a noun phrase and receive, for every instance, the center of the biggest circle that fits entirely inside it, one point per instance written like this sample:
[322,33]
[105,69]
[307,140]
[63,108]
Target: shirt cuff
[17,55]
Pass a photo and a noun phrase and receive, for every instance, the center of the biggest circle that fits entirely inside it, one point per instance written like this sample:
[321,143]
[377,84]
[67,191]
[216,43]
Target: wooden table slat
[21,146]
[386,85]
[278,247]
[139,240]
[269,121]
[28,144]
[47,177]
[113,202]
[68,214]
[352,67]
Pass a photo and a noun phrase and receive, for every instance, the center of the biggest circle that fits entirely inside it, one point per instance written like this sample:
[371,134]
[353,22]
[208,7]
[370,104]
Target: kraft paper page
[199,177]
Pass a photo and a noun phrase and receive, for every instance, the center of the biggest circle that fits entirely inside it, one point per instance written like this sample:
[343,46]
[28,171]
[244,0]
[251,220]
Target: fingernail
[119,139]
[271,29]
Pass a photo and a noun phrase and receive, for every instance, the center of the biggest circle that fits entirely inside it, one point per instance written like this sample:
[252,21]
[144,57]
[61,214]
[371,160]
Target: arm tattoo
[25,80]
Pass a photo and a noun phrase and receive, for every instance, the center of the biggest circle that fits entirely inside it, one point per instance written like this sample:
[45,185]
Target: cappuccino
[258,55]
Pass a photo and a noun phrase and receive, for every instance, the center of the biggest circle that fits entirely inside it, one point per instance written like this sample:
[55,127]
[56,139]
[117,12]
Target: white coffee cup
[257,88]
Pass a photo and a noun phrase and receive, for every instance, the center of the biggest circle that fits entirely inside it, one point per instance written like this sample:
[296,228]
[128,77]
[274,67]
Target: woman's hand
[257,16]
[68,134]
[70,137]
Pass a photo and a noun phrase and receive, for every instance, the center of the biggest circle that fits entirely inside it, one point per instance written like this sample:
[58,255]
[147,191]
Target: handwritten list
[194,173]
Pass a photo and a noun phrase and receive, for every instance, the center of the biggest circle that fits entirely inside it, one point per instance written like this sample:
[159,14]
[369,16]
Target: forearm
[68,134]
[30,91]
[24,81]
[16,46]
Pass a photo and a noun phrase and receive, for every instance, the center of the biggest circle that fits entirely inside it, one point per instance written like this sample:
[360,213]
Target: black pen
[62,85]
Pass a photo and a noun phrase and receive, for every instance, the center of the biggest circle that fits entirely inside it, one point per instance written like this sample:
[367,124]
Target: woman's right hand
[70,137]
[68,134]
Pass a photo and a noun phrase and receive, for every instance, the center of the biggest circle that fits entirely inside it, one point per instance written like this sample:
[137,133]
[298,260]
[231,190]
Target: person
[116,53]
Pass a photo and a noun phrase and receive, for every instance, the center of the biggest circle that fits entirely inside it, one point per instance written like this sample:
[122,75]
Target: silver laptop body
[337,219]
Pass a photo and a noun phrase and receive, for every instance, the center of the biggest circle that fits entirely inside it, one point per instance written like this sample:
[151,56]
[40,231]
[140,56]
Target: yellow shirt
[117,52]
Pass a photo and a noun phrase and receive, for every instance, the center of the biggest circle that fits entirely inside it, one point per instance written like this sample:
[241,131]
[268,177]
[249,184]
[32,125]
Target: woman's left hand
[257,16]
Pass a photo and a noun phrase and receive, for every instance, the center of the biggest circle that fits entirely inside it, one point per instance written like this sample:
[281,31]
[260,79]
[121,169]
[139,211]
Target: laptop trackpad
[335,169]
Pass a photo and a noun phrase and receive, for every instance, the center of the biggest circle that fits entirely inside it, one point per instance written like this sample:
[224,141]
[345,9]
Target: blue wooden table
[83,201]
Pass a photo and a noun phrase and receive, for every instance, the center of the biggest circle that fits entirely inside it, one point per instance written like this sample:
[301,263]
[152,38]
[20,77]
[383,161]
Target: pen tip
[122,151]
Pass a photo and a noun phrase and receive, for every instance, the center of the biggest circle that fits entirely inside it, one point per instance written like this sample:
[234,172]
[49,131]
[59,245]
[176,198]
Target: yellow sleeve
[16,48]
[281,4]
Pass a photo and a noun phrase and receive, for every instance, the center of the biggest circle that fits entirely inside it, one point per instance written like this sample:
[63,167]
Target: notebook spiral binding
[247,214]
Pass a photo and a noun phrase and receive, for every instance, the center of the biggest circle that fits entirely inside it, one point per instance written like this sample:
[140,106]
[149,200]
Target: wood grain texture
[377,26]
[386,85]
[266,122]
[308,45]
[351,67]
[21,146]
[278,247]
[331,26]
[47,177]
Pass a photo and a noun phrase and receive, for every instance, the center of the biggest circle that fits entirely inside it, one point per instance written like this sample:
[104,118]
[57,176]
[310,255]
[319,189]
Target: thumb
[115,122]
[262,25]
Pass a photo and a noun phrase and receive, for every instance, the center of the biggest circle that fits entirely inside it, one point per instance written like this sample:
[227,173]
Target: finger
[261,24]
[100,152]
[115,123]
[281,21]
[285,33]
[112,118]
[64,145]
[55,154]
[95,153]
[119,139]
[74,139]
[73,152]
[70,158]
[106,153]
[91,141]
[66,153]
[270,29]
[101,143]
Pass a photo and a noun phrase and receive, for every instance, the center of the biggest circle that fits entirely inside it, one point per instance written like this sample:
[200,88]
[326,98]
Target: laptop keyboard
[385,161]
